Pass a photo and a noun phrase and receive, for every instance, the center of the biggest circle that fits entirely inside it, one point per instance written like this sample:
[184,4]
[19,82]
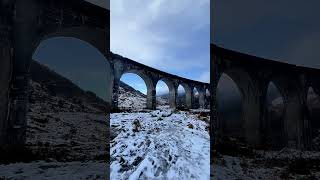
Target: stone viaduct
[151,76]
[24,24]
[252,75]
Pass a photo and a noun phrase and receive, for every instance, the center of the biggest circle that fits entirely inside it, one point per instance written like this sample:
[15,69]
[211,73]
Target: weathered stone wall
[252,75]
[23,25]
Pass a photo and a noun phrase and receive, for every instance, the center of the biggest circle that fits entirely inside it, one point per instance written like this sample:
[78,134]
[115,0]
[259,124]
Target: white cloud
[205,77]
[158,33]
[162,88]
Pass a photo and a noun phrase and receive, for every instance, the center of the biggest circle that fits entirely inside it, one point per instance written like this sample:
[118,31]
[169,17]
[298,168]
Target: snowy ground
[284,164]
[160,144]
[43,170]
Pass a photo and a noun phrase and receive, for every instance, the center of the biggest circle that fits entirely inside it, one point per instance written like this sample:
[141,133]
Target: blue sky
[170,35]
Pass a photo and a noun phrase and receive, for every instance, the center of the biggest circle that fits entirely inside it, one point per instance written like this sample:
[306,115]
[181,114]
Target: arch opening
[229,107]
[162,94]
[313,101]
[196,98]
[181,99]
[274,117]
[70,88]
[132,92]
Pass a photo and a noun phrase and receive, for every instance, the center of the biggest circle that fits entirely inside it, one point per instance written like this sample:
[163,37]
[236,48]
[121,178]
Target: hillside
[64,122]
[67,130]
[63,118]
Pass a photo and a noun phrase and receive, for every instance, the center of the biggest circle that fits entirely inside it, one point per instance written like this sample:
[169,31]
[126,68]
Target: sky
[170,35]
[287,30]
[76,60]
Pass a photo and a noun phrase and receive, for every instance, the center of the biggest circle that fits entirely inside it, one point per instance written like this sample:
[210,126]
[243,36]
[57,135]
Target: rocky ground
[67,135]
[65,129]
[284,164]
[67,132]
[160,144]
[55,170]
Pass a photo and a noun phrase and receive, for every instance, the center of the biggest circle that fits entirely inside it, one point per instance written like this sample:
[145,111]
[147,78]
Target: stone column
[117,71]
[173,97]
[5,76]
[151,97]
[201,98]
[189,98]
[293,118]
[193,99]
[18,109]
[24,35]
[115,93]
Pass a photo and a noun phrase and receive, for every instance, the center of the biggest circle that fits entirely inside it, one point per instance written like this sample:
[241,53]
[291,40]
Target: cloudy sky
[170,35]
[287,30]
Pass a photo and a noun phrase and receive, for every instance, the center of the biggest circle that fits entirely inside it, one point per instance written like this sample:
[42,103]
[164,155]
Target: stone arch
[93,37]
[149,84]
[98,38]
[313,100]
[188,94]
[172,91]
[32,25]
[201,99]
[274,117]
[21,67]
[251,112]
[291,92]
[66,89]
[229,107]
[195,97]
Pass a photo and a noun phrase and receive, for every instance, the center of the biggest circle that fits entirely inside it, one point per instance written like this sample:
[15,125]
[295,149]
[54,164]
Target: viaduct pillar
[173,92]
[189,95]
[151,97]
[201,97]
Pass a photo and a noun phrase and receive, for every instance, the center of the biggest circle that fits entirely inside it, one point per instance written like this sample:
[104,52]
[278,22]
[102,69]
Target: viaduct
[252,75]
[23,29]
[151,77]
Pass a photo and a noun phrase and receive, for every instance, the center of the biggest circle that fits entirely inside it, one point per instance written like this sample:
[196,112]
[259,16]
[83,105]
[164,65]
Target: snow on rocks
[55,170]
[159,145]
